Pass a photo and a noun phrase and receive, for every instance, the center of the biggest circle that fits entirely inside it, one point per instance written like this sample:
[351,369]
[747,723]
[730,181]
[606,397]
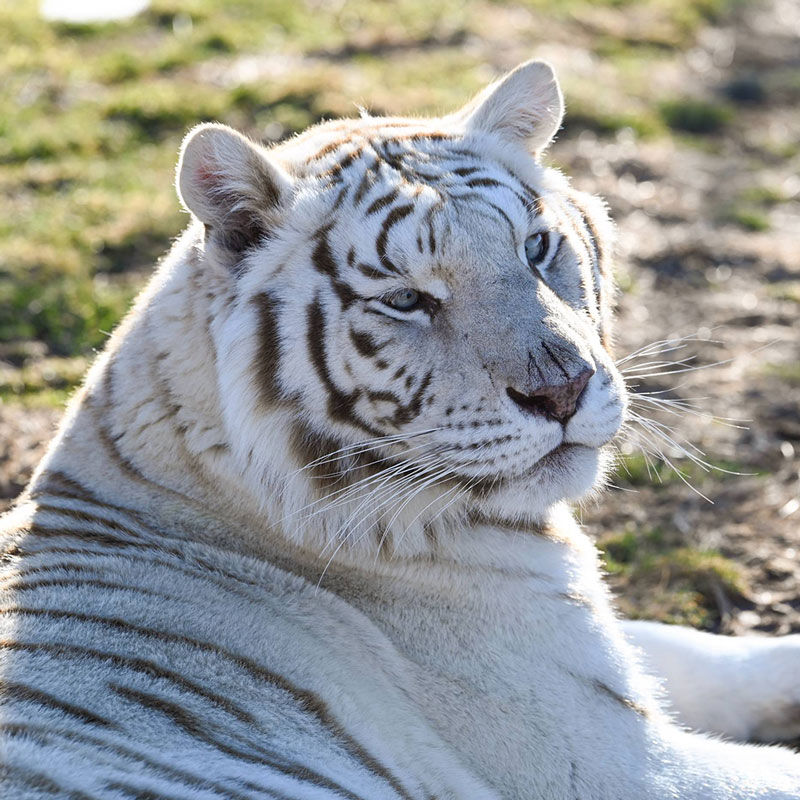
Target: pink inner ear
[207,178]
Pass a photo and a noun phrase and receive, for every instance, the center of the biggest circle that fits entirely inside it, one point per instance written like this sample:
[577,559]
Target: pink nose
[558,401]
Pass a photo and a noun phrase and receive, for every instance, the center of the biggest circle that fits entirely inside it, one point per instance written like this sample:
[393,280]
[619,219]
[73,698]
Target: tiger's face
[416,305]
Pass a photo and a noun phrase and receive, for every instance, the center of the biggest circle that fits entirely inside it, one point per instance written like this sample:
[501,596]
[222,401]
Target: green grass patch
[750,207]
[786,290]
[700,117]
[45,382]
[763,196]
[748,219]
[69,316]
[581,117]
[788,372]
[669,582]
[636,469]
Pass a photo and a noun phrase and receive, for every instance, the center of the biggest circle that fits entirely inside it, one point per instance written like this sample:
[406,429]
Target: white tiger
[303,533]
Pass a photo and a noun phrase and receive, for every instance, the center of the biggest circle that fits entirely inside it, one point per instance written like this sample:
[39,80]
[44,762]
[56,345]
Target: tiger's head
[417,316]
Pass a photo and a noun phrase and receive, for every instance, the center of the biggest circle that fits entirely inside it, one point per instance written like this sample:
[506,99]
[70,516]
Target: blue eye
[403,299]
[536,248]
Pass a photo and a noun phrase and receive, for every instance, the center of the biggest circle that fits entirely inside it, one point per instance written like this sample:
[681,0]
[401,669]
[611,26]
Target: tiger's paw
[746,688]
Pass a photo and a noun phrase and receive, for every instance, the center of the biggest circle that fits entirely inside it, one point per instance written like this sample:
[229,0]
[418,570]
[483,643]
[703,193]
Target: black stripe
[623,701]
[40,782]
[271,794]
[72,489]
[87,516]
[44,735]
[473,183]
[428,220]
[137,793]
[366,183]
[91,537]
[366,344]
[392,218]
[340,405]
[382,202]
[199,729]
[66,582]
[269,348]
[325,262]
[311,703]
[334,172]
[21,692]
[406,413]
[372,270]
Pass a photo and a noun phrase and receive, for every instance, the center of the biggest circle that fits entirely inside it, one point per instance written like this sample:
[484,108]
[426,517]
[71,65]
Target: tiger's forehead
[420,153]
[321,140]
[394,168]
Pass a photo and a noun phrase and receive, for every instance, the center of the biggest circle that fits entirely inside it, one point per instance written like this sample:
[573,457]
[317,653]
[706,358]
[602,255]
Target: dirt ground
[691,275]
[692,264]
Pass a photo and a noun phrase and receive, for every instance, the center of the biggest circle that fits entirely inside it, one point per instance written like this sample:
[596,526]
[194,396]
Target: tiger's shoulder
[198,670]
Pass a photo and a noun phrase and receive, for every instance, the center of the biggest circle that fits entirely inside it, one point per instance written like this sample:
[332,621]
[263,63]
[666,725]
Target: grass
[637,470]
[689,115]
[669,582]
[750,208]
[749,219]
[45,382]
[788,372]
[786,290]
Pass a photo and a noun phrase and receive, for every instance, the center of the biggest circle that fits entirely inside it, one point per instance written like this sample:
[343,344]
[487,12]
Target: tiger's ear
[525,106]
[232,187]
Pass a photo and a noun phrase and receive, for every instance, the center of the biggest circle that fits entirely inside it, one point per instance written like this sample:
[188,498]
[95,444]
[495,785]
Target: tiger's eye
[536,248]
[403,300]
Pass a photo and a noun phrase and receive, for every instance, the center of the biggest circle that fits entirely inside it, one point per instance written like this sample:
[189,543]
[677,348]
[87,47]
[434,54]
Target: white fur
[744,687]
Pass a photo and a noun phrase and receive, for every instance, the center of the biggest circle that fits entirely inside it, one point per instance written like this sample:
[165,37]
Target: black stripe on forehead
[325,262]
[397,214]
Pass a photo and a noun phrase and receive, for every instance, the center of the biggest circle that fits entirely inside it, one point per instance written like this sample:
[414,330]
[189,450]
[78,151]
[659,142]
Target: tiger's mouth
[558,460]
[557,455]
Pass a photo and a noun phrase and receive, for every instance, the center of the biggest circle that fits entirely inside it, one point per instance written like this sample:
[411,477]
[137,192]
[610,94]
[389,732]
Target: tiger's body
[302,533]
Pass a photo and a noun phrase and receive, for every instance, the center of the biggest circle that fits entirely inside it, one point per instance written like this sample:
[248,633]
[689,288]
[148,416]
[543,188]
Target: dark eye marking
[536,248]
[402,299]
[407,300]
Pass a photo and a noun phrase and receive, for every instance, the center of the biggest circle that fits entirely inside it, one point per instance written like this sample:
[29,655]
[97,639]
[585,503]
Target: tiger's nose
[558,401]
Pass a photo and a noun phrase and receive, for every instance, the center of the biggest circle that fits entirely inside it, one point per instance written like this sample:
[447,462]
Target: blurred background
[683,114]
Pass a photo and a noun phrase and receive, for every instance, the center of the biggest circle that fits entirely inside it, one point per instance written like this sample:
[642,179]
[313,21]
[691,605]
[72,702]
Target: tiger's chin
[567,473]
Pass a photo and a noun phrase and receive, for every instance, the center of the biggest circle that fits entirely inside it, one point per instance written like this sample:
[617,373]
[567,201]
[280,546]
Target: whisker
[364,446]
[343,493]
